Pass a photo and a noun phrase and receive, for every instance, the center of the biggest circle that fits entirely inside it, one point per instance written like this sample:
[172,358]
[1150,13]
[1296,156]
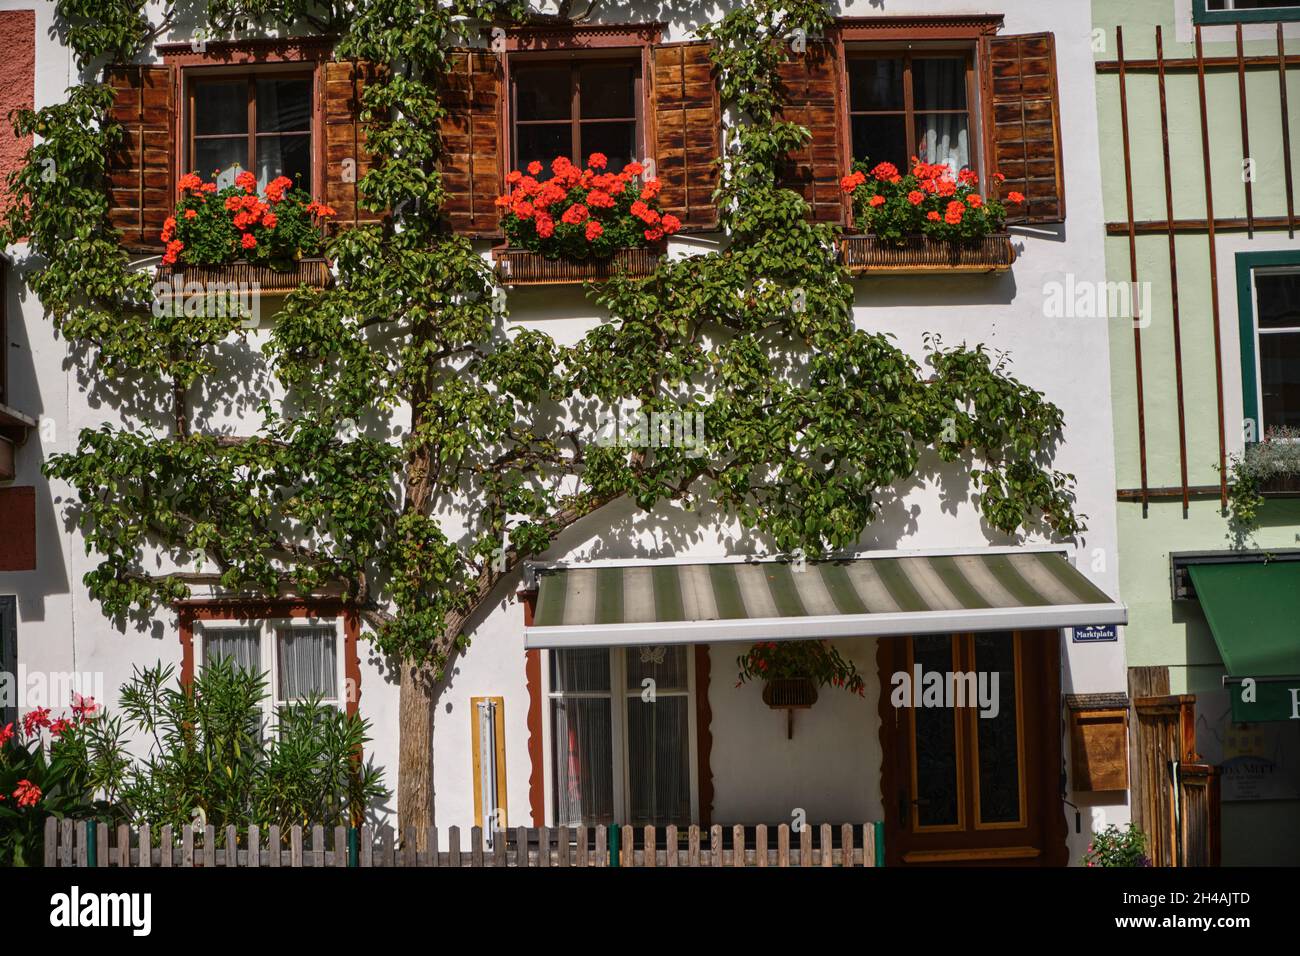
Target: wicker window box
[525,267]
[921,254]
[1280,486]
[269,281]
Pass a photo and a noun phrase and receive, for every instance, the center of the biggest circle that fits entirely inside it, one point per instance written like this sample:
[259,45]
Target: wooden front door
[961,788]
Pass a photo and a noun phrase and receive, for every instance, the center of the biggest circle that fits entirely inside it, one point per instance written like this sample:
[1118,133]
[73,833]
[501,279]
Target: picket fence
[86,843]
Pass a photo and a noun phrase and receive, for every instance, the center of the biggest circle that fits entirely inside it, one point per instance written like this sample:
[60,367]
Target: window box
[1280,486]
[269,280]
[921,254]
[525,267]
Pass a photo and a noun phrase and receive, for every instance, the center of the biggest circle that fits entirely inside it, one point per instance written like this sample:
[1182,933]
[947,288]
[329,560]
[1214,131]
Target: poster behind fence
[1258,761]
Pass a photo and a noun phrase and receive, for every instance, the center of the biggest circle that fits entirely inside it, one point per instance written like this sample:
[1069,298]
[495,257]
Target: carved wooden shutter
[471,141]
[687,133]
[1022,118]
[139,167]
[346,157]
[809,83]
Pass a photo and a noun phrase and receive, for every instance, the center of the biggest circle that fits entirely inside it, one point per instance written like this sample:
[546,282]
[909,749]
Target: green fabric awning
[1254,612]
[1253,609]
[669,602]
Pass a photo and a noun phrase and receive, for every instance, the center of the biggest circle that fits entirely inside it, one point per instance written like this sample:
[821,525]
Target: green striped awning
[675,603]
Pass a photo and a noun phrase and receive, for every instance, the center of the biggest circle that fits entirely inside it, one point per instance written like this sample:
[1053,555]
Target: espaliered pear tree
[427,444]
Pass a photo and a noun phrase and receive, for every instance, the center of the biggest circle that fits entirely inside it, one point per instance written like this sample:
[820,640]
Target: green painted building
[1202,297]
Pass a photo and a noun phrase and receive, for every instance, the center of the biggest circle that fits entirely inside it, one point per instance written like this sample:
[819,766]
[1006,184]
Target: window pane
[582,757]
[658,761]
[283,105]
[543,143]
[999,750]
[1278,299]
[220,107]
[284,156]
[543,92]
[307,662]
[936,741]
[1279,368]
[579,670]
[880,139]
[938,83]
[239,645]
[223,158]
[666,665]
[943,138]
[607,90]
[876,84]
[616,140]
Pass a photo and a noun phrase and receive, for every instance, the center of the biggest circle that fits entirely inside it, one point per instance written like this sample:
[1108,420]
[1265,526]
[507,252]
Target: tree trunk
[415,751]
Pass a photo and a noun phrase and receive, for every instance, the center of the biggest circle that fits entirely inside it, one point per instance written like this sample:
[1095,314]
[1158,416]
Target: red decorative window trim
[233,53]
[583,36]
[256,610]
[919,28]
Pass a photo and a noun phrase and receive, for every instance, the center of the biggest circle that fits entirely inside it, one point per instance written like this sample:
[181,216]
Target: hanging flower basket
[790,693]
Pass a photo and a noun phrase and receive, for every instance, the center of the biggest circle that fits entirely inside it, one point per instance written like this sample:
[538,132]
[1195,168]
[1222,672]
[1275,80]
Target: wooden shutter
[808,84]
[687,133]
[471,92]
[139,167]
[346,157]
[1022,119]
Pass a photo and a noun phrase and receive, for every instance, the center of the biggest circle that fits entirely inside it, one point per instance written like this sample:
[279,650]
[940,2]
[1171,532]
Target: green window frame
[1247,263]
[8,657]
[1201,14]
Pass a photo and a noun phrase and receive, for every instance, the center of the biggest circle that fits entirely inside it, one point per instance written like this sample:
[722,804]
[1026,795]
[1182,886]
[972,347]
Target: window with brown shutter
[471,142]
[346,159]
[140,165]
[808,87]
[1023,123]
[687,133]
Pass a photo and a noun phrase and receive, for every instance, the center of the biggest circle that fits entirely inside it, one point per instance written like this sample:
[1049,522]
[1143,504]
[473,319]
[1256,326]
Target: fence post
[879,827]
[352,846]
[92,851]
[613,845]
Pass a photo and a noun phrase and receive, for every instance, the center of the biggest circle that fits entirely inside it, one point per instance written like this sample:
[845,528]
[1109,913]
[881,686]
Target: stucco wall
[831,767]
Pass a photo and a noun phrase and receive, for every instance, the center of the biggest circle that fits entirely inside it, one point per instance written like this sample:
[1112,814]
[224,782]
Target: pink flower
[83,706]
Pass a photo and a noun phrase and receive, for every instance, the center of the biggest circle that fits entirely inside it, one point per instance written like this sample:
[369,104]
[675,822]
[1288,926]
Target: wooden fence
[85,843]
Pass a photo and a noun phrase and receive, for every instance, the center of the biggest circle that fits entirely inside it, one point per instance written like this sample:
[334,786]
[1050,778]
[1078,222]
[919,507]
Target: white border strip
[825,626]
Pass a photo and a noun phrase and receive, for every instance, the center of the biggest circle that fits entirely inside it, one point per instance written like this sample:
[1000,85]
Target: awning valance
[681,603]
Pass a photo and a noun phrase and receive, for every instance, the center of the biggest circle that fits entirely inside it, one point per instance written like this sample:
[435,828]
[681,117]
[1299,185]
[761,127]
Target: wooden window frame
[619,693]
[188,62]
[194,616]
[250,78]
[575,119]
[1201,13]
[477,750]
[973,110]
[1252,380]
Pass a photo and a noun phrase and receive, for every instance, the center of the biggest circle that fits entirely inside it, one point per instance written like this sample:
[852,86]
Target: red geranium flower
[916,197]
[576,214]
[885,171]
[597,160]
[876,200]
[594,230]
[1015,197]
[534,168]
[248,241]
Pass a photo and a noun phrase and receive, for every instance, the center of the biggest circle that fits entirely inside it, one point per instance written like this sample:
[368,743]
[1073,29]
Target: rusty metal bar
[1161,226]
[1166,492]
[1132,265]
[1189,65]
[1247,181]
[1214,275]
[1286,135]
[1173,270]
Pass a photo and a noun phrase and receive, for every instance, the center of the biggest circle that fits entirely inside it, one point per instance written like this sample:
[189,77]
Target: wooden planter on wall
[312,272]
[921,254]
[790,694]
[525,267]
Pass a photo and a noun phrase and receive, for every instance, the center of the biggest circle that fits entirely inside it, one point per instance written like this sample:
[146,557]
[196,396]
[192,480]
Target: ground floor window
[301,658]
[622,724]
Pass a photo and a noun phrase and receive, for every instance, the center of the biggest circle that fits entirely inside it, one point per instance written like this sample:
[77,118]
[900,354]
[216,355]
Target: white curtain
[658,742]
[307,662]
[943,138]
[240,645]
[582,739]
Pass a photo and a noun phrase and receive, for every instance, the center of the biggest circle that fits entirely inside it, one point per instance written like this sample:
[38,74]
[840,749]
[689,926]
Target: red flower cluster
[249,214]
[27,794]
[583,212]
